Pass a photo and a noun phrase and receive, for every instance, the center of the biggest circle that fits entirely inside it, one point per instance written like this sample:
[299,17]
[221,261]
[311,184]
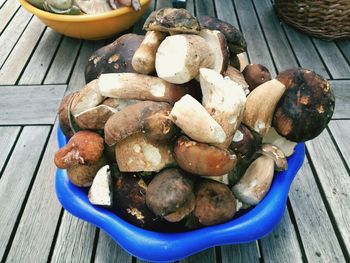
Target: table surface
[38,66]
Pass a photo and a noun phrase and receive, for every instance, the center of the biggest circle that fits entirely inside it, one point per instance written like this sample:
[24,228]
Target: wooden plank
[77,80]
[63,62]
[226,11]
[8,137]
[333,58]
[340,130]
[342,99]
[75,240]
[39,63]
[15,63]
[315,227]
[282,244]
[344,46]
[190,6]
[109,251]
[163,3]
[13,31]
[258,51]
[37,227]
[305,51]
[240,253]
[6,13]
[335,182]
[206,256]
[30,104]
[16,179]
[205,7]
[280,48]
[2,2]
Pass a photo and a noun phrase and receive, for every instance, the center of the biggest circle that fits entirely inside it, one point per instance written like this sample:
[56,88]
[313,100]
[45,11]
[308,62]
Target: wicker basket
[326,19]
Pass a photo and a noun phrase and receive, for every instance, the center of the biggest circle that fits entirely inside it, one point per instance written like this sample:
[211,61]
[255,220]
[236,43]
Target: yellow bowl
[91,27]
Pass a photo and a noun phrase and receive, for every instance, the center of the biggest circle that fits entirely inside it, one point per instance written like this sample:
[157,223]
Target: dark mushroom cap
[306,107]
[173,20]
[255,75]
[234,37]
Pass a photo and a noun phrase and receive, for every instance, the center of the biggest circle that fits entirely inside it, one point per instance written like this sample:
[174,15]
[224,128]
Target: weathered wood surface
[8,137]
[342,98]
[340,131]
[30,104]
[6,13]
[241,253]
[16,179]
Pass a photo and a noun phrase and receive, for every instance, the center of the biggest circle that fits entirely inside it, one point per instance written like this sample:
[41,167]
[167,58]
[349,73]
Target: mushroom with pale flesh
[138,86]
[257,179]
[237,76]
[261,104]
[170,195]
[180,57]
[100,192]
[306,106]
[203,159]
[172,20]
[224,99]
[286,146]
[196,122]
[255,75]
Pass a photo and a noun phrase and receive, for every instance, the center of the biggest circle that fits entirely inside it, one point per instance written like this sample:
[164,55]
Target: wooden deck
[38,66]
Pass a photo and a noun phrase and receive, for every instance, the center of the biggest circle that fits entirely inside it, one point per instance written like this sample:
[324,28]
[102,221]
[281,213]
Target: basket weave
[326,19]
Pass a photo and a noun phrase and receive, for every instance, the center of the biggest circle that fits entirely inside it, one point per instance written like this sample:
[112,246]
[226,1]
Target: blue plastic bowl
[160,247]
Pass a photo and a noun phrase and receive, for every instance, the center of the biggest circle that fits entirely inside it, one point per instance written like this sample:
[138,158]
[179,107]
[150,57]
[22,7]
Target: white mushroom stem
[136,154]
[224,99]
[88,97]
[221,178]
[144,58]
[100,192]
[138,86]
[261,104]
[180,57]
[285,145]
[243,60]
[256,181]
[196,122]
[237,76]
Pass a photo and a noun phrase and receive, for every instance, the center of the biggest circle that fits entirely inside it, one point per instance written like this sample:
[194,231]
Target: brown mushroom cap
[245,142]
[234,37]
[64,114]
[172,20]
[215,203]
[255,75]
[276,155]
[306,106]
[169,191]
[203,159]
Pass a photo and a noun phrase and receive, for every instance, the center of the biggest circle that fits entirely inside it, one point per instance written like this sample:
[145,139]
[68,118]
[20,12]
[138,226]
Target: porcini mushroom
[224,100]
[100,192]
[237,76]
[170,192]
[245,143]
[203,159]
[138,86]
[180,57]
[146,116]
[286,146]
[172,20]
[255,75]
[144,58]
[306,106]
[261,104]
[257,179]
[64,115]
[94,118]
[196,122]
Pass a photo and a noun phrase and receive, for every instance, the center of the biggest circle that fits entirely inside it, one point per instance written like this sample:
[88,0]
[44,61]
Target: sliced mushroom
[144,58]
[215,203]
[85,147]
[224,100]
[149,117]
[88,97]
[203,159]
[239,61]
[113,58]
[136,153]
[216,40]
[237,76]
[180,57]
[234,37]
[172,20]
[138,86]
[196,122]
[261,104]
[100,192]
[282,143]
[306,106]
[255,75]
[169,192]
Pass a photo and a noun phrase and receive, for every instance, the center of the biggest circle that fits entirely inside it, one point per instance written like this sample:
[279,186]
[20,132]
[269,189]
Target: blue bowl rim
[162,247]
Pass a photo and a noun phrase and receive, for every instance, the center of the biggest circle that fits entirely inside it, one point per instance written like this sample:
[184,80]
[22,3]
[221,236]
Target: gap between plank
[52,248]
[94,247]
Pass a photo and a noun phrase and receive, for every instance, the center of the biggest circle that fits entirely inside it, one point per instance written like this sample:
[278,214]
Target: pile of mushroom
[173,128]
